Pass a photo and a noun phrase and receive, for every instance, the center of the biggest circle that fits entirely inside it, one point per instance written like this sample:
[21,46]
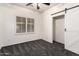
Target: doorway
[58,29]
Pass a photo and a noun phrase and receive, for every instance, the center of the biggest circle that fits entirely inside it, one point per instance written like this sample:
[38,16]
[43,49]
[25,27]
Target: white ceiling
[34,6]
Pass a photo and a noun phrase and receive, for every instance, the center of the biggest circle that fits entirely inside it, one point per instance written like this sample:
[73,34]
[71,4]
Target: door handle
[65,29]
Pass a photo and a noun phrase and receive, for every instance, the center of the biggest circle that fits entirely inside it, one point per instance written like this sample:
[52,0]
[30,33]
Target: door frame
[54,25]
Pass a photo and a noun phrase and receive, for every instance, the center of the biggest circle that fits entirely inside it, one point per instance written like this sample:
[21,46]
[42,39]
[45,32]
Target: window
[30,25]
[20,24]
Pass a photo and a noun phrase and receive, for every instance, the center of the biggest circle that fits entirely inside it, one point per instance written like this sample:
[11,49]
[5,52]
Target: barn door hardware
[65,10]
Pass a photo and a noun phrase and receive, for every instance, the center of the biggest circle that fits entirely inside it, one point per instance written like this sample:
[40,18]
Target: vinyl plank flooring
[37,48]
[7,50]
[24,49]
[21,49]
[16,51]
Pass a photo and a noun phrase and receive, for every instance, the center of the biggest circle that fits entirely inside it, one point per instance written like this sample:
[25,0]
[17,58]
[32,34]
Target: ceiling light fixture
[37,5]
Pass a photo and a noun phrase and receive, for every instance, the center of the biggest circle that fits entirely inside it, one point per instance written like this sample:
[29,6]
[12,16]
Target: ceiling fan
[38,7]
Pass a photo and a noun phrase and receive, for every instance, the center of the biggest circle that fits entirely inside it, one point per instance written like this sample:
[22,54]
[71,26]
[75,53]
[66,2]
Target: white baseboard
[0,47]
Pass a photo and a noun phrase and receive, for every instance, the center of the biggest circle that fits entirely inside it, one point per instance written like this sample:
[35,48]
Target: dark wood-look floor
[36,48]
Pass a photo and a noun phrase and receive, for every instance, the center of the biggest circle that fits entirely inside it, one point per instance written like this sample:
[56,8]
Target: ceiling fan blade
[46,3]
[28,4]
[38,6]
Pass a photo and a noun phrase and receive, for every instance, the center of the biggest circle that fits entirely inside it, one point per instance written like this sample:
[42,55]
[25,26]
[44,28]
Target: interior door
[72,32]
[59,29]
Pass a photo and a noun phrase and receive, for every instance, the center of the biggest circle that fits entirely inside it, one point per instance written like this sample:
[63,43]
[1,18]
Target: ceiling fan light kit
[37,5]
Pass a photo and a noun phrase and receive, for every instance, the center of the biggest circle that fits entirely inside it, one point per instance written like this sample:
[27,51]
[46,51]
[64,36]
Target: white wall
[48,22]
[1,29]
[9,14]
[71,23]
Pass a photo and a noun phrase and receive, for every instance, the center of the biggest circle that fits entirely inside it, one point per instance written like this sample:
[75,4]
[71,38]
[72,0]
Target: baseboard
[58,42]
[71,50]
[48,41]
[0,48]
[21,43]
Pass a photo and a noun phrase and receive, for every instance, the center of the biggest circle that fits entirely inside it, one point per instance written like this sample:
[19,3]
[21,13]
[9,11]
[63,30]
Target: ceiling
[43,7]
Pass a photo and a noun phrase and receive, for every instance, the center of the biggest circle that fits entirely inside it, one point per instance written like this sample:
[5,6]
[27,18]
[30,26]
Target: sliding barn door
[72,30]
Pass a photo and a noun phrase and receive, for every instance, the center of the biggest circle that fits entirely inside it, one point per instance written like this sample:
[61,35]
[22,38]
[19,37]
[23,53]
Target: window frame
[21,26]
[26,32]
[33,25]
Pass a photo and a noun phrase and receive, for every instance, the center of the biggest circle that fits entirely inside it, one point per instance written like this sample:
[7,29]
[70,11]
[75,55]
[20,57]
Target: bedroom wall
[48,21]
[1,29]
[9,14]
